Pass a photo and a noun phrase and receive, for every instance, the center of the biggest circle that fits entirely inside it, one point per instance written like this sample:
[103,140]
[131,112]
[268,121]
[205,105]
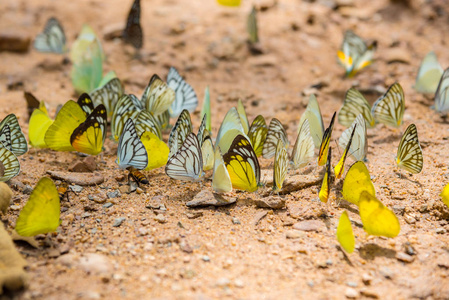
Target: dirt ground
[233,252]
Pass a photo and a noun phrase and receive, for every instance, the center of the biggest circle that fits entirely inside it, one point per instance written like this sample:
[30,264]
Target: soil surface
[163,249]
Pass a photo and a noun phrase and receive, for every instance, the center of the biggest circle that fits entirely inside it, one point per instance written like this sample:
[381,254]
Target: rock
[27,189]
[113,194]
[53,253]
[239,283]
[5,197]
[366,278]
[440,230]
[369,293]
[160,218]
[402,256]
[107,205]
[309,225]
[76,188]
[118,222]
[16,184]
[185,246]
[351,293]
[123,189]
[14,41]
[351,284]
[84,179]
[386,272]
[142,231]
[156,202]
[398,210]
[194,214]
[292,183]
[86,165]
[120,178]
[274,202]
[205,258]
[443,261]
[293,234]
[235,221]
[409,219]
[98,198]
[400,55]
[207,197]
[259,216]
[91,263]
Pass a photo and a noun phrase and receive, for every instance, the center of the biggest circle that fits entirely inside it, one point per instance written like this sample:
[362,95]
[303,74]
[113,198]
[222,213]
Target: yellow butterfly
[41,212]
[409,156]
[353,105]
[313,114]
[339,169]
[445,195]
[257,134]
[9,164]
[322,155]
[359,144]
[357,180]
[280,166]
[377,219]
[230,128]
[229,2]
[355,54]
[81,44]
[275,133]
[345,235]
[429,74]
[39,123]
[157,150]
[303,150]
[389,109]
[325,185]
[221,182]
[242,165]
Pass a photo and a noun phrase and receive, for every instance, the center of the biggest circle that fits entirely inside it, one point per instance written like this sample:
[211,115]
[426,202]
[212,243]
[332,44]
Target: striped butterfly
[429,74]
[187,163]
[252,26]
[355,54]
[257,134]
[304,149]
[207,148]
[52,39]
[359,144]
[353,105]
[242,165]
[275,132]
[442,93]
[125,108]
[325,185]
[322,154]
[146,122]
[280,166]
[221,182]
[313,114]
[185,95]
[132,33]
[409,156]
[9,164]
[13,137]
[86,104]
[131,152]
[108,95]
[183,127]
[339,169]
[158,96]
[163,119]
[229,129]
[389,108]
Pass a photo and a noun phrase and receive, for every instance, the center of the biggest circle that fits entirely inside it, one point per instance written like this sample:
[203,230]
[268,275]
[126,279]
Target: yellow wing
[377,219]
[356,181]
[157,150]
[158,97]
[229,2]
[324,148]
[340,167]
[445,195]
[325,185]
[345,235]
[68,119]
[257,134]
[280,166]
[41,213]
[221,182]
[207,150]
[39,123]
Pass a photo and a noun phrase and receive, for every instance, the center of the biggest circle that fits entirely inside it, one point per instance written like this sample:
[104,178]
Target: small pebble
[401,256]
[351,293]
[143,231]
[205,258]
[194,214]
[118,222]
[239,283]
[440,230]
[409,219]
[160,218]
[293,234]
[107,205]
[27,189]
[351,284]
[76,188]
[369,293]
[310,283]
[235,221]
[366,278]
[114,194]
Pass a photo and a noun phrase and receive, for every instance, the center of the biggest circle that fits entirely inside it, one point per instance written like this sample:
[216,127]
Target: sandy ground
[202,253]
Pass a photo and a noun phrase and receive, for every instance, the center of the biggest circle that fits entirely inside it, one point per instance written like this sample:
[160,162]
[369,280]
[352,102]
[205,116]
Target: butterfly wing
[221,182]
[345,235]
[16,139]
[357,180]
[205,110]
[280,166]
[108,95]
[409,156]
[257,134]
[243,117]
[89,136]
[251,26]
[41,213]
[353,105]
[325,184]
[185,97]
[86,104]
[132,33]
[158,149]
[52,39]
[183,128]
[275,133]
[146,122]
[229,129]
[304,149]
[32,102]
[187,163]
[389,109]
[158,96]
[124,105]
[442,93]
[313,114]
[325,143]
[429,74]
[340,167]
[359,145]
[9,164]
[131,152]
[39,123]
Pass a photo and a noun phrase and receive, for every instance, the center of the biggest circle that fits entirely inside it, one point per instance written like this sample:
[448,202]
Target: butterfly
[377,219]
[187,163]
[205,110]
[185,95]
[229,2]
[359,144]
[73,131]
[33,103]
[131,152]
[322,154]
[325,184]
[108,95]
[132,33]
[445,195]
[52,39]
[442,93]
[243,117]
[275,132]
[221,181]
[41,213]
[353,105]
[304,149]
[409,156]
[257,134]
[13,138]
[389,108]
[9,164]
[345,235]
[429,74]
[163,119]
[86,104]
[355,54]
[280,166]
[242,165]
[339,169]
[85,38]
[158,96]
[252,26]
[207,148]
[156,148]
[313,114]
[38,125]
[146,122]
[180,131]
[230,128]
[357,180]
[124,109]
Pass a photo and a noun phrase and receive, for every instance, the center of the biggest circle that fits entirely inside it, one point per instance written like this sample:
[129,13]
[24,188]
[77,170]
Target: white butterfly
[389,108]
[353,105]
[313,114]
[276,132]
[10,164]
[185,95]
[108,95]
[180,131]
[359,144]
[409,156]
[207,147]
[229,129]
[442,93]
[221,182]
[12,137]
[243,117]
[187,163]
[304,149]
[280,167]
[131,152]
[429,74]
[52,39]
[158,96]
